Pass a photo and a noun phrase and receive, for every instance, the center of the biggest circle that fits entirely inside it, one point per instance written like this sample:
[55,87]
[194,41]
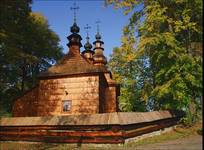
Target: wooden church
[75,101]
[79,83]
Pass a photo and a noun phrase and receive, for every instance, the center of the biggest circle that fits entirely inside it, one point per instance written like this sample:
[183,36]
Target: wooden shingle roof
[117,118]
[71,64]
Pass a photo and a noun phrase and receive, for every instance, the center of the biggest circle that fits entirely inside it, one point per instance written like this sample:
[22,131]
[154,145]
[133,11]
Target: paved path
[188,143]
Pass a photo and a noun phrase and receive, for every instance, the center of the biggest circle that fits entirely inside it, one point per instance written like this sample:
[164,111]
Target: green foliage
[125,70]
[28,46]
[166,31]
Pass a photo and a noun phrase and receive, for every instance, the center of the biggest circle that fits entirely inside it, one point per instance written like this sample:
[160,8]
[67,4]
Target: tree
[126,69]
[41,49]
[13,16]
[28,46]
[166,31]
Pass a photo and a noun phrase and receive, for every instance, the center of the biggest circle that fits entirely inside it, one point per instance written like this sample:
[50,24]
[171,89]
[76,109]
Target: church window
[67,104]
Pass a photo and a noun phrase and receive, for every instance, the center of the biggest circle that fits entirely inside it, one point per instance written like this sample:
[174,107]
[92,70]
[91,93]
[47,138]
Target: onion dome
[88,53]
[88,48]
[98,36]
[74,28]
[74,38]
[98,43]
[88,45]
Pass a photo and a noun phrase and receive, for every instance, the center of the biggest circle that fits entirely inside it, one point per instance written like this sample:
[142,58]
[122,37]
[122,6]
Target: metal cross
[74,9]
[87,31]
[97,22]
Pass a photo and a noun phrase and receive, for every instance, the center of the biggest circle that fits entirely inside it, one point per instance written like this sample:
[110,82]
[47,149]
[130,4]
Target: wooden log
[59,139]
[57,127]
[141,131]
[148,128]
[62,133]
[143,124]
[81,133]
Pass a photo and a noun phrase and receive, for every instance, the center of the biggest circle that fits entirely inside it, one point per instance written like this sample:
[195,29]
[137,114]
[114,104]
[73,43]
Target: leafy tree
[166,31]
[125,70]
[12,19]
[27,46]
[41,50]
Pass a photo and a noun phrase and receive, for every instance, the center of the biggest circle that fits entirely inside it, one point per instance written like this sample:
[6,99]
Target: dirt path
[188,143]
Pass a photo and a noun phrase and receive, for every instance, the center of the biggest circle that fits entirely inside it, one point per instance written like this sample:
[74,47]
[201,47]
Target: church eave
[62,75]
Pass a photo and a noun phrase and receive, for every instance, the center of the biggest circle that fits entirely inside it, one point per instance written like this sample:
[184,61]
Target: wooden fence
[109,128]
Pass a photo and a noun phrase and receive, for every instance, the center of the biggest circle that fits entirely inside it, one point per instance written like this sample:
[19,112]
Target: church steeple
[99,58]
[74,38]
[88,45]
[88,53]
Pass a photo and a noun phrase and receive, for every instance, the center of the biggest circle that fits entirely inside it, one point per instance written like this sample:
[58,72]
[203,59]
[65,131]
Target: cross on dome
[74,38]
[87,46]
[87,31]
[74,28]
[98,36]
[74,8]
[97,23]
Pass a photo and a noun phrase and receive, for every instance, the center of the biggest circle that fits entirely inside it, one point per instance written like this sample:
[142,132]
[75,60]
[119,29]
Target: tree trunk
[23,76]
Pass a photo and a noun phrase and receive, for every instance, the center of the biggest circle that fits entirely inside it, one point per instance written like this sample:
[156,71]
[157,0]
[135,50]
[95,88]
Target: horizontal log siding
[81,133]
[82,91]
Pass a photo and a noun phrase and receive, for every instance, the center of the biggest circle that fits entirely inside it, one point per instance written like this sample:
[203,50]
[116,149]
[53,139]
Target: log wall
[111,134]
[111,95]
[82,91]
[26,105]
[89,94]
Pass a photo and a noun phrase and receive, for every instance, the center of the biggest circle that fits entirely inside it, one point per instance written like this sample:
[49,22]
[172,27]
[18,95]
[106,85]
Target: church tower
[74,40]
[88,53]
[99,58]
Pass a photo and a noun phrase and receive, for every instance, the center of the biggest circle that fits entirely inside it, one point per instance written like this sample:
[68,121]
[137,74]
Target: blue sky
[60,18]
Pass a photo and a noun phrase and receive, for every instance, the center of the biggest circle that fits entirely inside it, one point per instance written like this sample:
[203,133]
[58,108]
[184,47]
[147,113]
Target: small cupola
[88,53]
[98,57]
[74,38]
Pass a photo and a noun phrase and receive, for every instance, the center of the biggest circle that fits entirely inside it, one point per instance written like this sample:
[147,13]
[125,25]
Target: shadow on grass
[43,146]
[27,146]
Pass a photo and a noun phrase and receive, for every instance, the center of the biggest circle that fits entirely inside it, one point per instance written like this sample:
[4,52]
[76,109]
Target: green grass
[179,132]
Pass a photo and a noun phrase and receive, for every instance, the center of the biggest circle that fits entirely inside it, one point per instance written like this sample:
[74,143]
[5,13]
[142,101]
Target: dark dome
[74,28]
[87,46]
[98,36]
